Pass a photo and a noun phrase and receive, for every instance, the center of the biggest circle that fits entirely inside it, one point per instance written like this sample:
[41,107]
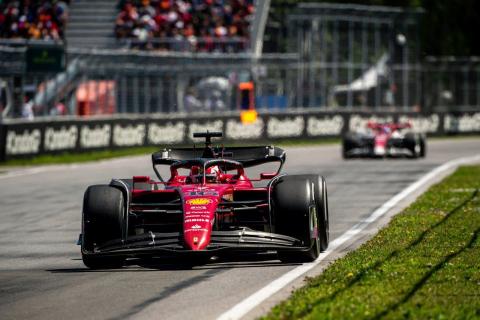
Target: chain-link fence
[143,83]
[452,84]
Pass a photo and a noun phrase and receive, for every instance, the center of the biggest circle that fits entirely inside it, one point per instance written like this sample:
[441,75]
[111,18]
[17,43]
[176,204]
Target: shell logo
[198,201]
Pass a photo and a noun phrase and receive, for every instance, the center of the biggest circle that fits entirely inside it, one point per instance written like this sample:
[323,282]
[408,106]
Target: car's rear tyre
[103,220]
[298,210]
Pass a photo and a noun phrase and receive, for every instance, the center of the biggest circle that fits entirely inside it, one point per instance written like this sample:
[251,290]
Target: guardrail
[25,139]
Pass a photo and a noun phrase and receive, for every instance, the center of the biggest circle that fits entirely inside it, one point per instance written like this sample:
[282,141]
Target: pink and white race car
[384,140]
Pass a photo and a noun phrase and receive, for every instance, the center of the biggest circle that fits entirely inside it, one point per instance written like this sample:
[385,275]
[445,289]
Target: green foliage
[65,158]
[424,265]
[448,27]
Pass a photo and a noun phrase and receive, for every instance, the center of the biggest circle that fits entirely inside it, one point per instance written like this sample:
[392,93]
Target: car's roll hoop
[208,136]
[208,151]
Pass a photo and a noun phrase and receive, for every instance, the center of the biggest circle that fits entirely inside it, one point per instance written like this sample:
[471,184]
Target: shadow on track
[187,263]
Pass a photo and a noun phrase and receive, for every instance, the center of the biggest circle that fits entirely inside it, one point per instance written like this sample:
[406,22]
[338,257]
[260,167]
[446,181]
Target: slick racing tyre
[423,146]
[299,213]
[103,220]
[416,144]
[321,202]
[348,143]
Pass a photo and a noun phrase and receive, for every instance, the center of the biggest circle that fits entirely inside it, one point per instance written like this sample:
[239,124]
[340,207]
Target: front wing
[364,147]
[161,244]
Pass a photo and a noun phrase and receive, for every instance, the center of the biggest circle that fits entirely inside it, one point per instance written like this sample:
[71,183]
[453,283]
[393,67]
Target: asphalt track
[42,275]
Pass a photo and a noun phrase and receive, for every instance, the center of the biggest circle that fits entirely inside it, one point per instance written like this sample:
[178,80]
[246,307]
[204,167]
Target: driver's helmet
[212,174]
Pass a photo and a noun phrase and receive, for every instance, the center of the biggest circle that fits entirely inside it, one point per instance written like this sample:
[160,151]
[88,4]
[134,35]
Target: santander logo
[198,201]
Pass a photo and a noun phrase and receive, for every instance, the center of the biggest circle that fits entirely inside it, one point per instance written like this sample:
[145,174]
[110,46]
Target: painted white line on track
[249,303]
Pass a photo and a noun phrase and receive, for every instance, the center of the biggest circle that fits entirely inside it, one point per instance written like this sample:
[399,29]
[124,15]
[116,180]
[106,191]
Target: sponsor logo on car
[192,230]
[191,220]
[203,193]
[196,208]
[199,201]
[202,214]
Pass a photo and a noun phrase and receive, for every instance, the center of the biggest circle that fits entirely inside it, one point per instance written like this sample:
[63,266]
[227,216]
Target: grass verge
[66,158]
[424,265]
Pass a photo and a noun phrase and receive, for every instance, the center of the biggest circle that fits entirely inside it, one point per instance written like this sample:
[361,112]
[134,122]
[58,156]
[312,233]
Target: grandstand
[146,56]
[222,26]
[91,24]
[200,26]
[36,20]
[99,35]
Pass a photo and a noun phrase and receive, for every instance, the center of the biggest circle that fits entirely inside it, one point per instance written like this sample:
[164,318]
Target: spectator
[198,25]
[191,101]
[27,109]
[29,19]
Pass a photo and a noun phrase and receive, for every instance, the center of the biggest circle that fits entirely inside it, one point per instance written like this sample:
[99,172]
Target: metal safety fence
[105,82]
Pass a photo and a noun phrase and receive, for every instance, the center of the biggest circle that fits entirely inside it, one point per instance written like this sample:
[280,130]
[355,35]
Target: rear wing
[247,156]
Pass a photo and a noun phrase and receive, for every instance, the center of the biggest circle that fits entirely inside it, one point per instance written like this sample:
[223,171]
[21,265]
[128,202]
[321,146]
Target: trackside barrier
[25,139]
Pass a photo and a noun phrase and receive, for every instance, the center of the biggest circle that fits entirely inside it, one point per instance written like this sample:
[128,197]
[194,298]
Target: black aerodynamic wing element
[247,156]
[252,156]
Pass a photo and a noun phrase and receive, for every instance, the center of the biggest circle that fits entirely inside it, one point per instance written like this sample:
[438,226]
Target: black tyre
[297,214]
[345,150]
[321,201]
[423,146]
[412,143]
[348,142]
[103,220]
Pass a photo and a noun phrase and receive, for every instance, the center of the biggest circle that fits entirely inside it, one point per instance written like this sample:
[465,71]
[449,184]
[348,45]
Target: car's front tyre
[299,208]
[103,220]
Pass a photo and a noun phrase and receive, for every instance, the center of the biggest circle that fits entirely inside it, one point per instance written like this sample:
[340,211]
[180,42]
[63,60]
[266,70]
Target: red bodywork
[383,132]
[206,207]
[201,199]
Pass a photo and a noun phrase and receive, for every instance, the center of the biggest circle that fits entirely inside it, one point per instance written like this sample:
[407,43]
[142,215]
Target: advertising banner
[24,139]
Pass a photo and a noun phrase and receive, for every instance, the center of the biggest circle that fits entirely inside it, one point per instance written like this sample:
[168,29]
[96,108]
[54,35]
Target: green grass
[66,158]
[424,265]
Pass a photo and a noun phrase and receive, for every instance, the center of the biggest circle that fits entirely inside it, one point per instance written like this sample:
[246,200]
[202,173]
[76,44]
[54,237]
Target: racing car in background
[384,139]
[206,207]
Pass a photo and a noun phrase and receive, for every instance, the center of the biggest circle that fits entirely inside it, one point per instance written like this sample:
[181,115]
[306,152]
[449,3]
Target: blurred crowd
[33,19]
[201,25]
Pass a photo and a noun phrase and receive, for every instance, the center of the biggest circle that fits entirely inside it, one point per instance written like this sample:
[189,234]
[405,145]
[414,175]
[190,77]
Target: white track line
[249,303]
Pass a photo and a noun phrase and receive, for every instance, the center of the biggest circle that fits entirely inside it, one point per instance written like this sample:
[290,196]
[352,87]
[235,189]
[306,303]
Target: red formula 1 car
[384,139]
[208,206]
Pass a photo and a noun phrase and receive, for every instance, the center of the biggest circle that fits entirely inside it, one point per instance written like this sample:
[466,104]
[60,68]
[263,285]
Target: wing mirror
[267,175]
